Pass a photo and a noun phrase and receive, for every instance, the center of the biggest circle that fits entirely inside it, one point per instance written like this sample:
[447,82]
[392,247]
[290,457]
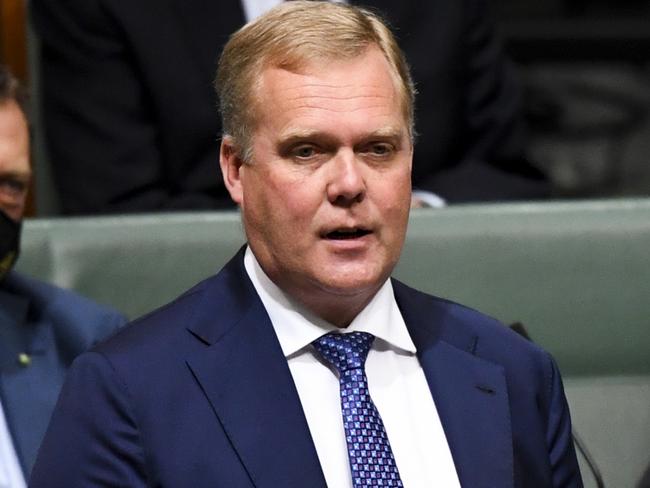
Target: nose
[346,183]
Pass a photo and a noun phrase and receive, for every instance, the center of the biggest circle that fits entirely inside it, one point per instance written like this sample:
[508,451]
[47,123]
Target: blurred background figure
[584,66]
[131,119]
[42,328]
[644,482]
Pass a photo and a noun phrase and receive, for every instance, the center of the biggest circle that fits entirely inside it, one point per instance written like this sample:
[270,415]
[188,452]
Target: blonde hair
[290,36]
[11,89]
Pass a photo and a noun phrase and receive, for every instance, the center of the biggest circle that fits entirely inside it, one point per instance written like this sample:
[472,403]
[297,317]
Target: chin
[352,285]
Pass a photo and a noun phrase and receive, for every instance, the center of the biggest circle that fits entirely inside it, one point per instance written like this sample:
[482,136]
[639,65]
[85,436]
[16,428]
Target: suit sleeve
[100,127]
[493,165]
[92,439]
[562,456]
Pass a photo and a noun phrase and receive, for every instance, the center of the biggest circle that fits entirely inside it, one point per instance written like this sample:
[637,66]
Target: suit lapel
[28,389]
[470,393]
[247,380]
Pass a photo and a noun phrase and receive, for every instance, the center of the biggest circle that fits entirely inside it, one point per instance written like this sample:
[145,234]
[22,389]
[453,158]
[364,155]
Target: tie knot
[345,351]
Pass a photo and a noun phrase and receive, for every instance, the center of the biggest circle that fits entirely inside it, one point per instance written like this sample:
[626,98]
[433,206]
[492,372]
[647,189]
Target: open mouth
[345,234]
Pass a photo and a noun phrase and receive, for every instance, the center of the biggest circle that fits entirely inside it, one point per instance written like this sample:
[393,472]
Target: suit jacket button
[24,359]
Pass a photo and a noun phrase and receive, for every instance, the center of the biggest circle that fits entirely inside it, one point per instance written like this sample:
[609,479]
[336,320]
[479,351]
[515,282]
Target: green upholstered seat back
[576,274]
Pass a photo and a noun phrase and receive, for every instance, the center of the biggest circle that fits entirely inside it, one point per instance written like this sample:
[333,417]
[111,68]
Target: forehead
[344,90]
[14,139]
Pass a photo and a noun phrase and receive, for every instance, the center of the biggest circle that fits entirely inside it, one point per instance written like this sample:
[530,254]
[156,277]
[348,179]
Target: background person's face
[325,201]
[14,160]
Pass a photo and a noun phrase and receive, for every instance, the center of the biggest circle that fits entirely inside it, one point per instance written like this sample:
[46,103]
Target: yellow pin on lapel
[24,359]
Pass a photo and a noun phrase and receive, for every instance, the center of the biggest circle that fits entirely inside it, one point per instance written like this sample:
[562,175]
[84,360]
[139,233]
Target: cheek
[394,202]
[13,207]
[279,205]
[403,186]
[394,190]
[294,197]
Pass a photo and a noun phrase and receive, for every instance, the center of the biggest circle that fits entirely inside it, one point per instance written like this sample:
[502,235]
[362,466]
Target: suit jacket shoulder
[77,322]
[49,326]
[463,326]
[199,393]
[491,385]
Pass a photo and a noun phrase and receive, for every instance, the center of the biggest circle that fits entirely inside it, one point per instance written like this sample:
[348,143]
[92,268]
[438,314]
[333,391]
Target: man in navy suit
[244,381]
[42,328]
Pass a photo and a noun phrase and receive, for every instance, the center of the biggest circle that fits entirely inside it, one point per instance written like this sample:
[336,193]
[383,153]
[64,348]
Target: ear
[231,165]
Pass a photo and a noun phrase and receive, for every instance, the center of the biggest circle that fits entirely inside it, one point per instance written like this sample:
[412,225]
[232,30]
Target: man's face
[325,201]
[14,160]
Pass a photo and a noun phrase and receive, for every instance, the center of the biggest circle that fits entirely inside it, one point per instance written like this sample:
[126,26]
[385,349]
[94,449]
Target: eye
[304,152]
[380,150]
[12,187]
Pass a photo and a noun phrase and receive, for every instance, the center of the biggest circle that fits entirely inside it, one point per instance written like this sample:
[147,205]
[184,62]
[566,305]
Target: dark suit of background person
[130,115]
[42,327]
[51,326]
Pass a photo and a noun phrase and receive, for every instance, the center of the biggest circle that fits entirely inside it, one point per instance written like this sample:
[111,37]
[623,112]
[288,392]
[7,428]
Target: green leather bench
[576,274]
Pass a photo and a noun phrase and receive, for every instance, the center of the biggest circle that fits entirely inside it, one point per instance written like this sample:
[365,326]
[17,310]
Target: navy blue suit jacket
[51,326]
[199,394]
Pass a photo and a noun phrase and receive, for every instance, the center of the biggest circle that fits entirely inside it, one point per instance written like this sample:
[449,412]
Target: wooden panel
[13,42]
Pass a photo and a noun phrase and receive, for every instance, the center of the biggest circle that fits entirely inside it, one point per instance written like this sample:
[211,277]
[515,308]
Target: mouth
[347,234]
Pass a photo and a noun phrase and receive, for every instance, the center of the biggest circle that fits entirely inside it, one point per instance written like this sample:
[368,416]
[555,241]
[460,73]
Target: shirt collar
[296,327]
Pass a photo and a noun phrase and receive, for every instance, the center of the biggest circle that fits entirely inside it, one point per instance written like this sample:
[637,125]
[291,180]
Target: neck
[337,309]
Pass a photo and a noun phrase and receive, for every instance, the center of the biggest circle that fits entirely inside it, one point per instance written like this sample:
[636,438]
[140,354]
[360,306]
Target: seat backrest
[576,274]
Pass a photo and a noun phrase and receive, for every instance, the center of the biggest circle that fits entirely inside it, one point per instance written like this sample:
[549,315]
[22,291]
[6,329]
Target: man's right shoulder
[161,325]
[201,314]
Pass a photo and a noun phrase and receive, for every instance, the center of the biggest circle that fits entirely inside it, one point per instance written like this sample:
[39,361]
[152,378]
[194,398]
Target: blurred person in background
[42,327]
[130,114]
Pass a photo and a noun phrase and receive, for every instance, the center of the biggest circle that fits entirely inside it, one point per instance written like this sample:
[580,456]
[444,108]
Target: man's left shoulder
[466,328]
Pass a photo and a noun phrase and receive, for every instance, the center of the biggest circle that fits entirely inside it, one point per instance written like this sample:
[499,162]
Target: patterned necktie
[371,458]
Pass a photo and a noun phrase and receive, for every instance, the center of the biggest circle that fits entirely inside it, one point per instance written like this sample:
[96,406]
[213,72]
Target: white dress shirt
[255,8]
[396,381]
[11,475]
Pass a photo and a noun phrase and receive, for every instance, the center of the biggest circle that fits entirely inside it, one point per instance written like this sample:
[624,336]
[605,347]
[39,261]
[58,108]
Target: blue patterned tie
[371,458]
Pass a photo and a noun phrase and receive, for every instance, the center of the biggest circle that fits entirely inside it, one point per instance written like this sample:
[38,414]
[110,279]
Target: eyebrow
[296,135]
[388,132]
[17,175]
